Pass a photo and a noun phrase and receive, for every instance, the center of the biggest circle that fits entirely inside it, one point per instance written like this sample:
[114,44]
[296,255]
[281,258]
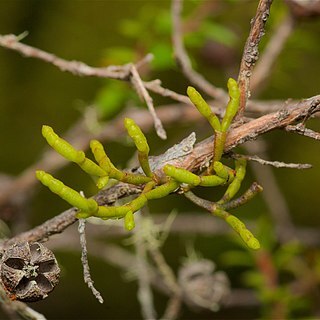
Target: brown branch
[155,86]
[126,72]
[75,67]
[303,131]
[80,137]
[251,52]
[120,73]
[81,69]
[254,189]
[193,161]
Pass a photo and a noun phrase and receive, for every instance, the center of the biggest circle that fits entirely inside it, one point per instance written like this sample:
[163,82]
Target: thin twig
[271,53]
[75,67]
[142,91]
[251,52]
[155,86]
[202,203]
[84,259]
[277,164]
[124,72]
[120,73]
[254,189]
[303,131]
[183,60]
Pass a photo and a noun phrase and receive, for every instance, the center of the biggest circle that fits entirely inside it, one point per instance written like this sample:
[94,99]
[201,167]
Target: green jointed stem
[244,233]
[71,196]
[144,163]
[102,182]
[137,135]
[106,170]
[111,212]
[137,203]
[163,190]
[234,186]
[211,181]
[117,212]
[100,155]
[234,222]
[141,143]
[129,221]
[70,153]
[91,168]
[203,108]
[103,160]
[83,215]
[220,170]
[134,178]
[185,176]
[181,175]
[61,146]
[219,141]
[233,104]
[114,173]
[231,111]
[223,171]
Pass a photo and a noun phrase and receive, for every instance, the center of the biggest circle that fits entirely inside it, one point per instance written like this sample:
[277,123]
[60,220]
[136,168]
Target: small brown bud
[29,271]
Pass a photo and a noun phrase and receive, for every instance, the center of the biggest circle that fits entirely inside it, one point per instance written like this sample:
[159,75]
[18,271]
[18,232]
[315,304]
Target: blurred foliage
[275,271]
[101,33]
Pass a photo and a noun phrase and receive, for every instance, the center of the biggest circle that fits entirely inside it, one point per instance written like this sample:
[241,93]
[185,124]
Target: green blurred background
[99,33]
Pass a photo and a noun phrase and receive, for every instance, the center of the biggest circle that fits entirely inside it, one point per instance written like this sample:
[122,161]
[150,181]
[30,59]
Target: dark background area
[33,93]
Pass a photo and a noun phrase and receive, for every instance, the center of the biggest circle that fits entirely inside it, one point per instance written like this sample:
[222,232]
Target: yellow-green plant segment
[129,221]
[218,210]
[114,173]
[238,226]
[66,193]
[70,153]
[244,233]
[223,171]
[203,108]
[234,186]
[141,143]
[233,105]
[61,146]
[220,129]
[185,176]
[153,187]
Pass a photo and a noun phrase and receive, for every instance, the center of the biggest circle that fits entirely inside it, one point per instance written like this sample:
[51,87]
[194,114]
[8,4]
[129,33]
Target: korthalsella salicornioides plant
[217,174]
